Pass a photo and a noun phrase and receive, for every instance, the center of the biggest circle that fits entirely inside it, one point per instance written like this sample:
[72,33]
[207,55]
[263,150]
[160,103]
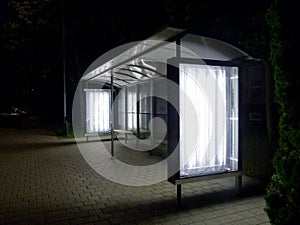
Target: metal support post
[112,113]
[137,114]
[65,123]
[126,114]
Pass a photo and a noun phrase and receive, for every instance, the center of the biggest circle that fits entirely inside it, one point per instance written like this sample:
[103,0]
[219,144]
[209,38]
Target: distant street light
[65,123]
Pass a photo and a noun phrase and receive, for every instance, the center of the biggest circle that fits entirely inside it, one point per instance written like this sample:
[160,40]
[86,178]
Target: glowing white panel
[131,107]
[121,112]
[97,110]
[208,143]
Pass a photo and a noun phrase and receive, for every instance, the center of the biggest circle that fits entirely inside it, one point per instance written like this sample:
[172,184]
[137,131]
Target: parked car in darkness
[12,116]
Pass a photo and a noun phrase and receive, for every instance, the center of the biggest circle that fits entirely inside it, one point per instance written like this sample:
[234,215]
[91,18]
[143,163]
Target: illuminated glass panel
[121,111]
[97,110]
[132,107]
[159,106]
[145,104]
[208,143]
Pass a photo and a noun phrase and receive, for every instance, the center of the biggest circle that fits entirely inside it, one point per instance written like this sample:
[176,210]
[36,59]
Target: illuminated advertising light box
[97,111]
[207,132]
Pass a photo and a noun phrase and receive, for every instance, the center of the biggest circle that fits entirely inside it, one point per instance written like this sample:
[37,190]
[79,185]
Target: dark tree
[30,42]
[283,192]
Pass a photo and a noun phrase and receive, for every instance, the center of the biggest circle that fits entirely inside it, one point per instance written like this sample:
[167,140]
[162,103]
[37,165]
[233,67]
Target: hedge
[283,192]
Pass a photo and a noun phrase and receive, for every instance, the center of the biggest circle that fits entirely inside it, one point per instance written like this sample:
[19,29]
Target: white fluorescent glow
[97,111]
[208,142]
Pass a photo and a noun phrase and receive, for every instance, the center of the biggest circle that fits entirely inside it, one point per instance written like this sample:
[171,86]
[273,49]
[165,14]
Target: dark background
[32,39]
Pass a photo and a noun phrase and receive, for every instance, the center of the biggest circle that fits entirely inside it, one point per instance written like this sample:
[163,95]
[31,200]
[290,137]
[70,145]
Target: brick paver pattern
[45,180]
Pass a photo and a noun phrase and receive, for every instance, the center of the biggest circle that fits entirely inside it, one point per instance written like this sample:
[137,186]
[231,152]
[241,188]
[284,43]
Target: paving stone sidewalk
[45,180]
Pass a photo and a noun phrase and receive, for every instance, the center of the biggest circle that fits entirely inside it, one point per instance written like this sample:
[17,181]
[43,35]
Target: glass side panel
[159,109]
[131,108]
[209,142]
[145,104]
[141,115]
[120,110]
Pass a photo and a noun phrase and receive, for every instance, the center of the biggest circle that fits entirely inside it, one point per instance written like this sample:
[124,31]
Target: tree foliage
[30,42]
[33,34]
[283,192]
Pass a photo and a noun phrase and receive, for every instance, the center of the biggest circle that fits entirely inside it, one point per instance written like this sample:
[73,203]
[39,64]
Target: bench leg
[238,184]
[179,189]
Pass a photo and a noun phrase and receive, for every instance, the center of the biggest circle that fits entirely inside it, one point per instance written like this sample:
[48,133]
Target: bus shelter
[175,91]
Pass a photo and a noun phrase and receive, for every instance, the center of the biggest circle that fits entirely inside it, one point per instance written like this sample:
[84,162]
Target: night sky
[31,38]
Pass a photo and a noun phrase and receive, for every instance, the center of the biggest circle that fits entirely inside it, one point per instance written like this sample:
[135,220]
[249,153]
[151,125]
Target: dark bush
[283,192]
